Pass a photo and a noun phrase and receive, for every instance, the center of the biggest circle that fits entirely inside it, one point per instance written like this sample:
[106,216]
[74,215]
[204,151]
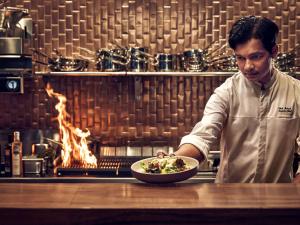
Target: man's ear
[274,51]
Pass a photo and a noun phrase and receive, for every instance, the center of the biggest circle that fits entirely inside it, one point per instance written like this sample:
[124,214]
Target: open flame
[75,150]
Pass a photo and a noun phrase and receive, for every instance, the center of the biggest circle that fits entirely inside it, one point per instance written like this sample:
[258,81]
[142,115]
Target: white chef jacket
[257,129]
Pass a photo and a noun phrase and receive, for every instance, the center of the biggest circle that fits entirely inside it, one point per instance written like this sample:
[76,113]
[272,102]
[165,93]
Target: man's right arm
[190,151]
[206,134]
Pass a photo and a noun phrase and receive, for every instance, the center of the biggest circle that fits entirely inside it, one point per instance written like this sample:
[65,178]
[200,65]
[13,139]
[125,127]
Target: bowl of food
[164,170]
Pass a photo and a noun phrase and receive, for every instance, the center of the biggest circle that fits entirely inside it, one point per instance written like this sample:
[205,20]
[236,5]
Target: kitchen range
[15,41]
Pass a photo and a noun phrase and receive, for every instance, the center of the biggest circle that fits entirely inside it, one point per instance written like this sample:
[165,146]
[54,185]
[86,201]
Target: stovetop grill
[107,167]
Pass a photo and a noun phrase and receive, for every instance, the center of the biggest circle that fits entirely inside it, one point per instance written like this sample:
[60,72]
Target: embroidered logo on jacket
[285,109]
[286,112]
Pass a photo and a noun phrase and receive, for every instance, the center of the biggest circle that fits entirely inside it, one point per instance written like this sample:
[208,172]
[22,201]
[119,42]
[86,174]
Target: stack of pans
[112,60]
[167,62]
[194,60]
[139,58]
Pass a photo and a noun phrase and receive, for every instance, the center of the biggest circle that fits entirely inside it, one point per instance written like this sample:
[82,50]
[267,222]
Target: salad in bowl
[165,170]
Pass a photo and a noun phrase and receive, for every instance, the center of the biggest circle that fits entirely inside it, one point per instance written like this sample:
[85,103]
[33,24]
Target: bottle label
[16,165]
[16,149]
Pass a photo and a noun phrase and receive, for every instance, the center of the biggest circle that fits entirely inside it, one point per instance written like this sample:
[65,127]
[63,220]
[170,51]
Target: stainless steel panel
[11,46]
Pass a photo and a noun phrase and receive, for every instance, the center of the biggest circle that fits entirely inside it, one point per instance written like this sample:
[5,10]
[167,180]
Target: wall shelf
[124,73]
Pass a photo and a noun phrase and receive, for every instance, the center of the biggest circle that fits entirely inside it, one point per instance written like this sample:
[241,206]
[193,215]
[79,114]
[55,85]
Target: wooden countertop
[121,203]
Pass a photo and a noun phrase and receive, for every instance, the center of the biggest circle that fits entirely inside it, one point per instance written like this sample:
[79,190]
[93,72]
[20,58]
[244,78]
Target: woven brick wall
[169,26]
[168,106]
[110,108]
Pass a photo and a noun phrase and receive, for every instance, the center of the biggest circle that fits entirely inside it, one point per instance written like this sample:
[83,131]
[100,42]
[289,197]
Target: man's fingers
[161,154]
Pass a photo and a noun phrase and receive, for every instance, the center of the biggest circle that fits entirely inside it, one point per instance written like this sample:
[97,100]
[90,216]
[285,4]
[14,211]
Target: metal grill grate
[107,167]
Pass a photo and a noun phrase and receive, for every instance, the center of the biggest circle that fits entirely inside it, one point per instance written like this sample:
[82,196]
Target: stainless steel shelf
[201,74]
[124,73]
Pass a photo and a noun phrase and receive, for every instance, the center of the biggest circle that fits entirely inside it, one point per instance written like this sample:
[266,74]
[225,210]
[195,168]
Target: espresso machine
[15,47]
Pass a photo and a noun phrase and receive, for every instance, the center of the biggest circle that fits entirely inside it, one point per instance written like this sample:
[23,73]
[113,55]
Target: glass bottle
[8,153]
[17,155]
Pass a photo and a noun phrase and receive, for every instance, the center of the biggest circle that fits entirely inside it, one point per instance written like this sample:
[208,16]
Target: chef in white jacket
[254,115]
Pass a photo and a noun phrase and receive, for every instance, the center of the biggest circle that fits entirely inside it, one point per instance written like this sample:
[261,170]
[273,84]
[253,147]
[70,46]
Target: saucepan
[166,62]
[109,60]
[63,64]
[194,60]
[225,63]
[139,59]
[285,61]
[112,60]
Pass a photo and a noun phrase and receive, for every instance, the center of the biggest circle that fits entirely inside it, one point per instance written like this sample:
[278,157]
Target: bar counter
[141,203]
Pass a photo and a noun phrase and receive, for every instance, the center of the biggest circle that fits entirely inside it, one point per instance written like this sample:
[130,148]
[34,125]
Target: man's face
[254,61]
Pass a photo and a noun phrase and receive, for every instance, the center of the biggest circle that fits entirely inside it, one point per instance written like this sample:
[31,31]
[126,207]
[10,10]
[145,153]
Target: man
[254,115]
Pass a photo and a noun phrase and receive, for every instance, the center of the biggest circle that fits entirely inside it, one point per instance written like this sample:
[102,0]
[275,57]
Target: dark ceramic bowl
[139,173]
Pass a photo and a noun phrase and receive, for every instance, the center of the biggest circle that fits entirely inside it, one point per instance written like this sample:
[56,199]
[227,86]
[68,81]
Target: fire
[75,150]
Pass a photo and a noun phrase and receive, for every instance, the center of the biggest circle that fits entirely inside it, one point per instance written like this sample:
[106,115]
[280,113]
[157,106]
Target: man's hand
[184,150]
[161,154]
[296,178]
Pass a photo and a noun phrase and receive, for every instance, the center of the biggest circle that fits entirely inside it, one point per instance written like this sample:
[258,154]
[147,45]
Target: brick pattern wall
[168,106]
[169,26]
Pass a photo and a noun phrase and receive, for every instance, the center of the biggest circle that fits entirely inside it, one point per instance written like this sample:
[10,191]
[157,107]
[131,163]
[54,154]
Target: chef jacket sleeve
[298,152]
[206,133]
[297,90]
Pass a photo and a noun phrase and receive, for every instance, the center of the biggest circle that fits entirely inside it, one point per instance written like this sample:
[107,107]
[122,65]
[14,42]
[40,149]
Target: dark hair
[253,27]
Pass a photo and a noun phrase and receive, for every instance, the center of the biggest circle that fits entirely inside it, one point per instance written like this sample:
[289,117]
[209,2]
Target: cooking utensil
[166,62]
[285,61]
[217,49]
[225,64]
[10,17]
[33,166]
[139,173]
[194,60]
[63,64]
[112,60]
[139,59]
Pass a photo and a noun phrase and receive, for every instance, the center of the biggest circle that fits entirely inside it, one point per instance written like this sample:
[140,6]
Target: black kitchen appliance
[15,45]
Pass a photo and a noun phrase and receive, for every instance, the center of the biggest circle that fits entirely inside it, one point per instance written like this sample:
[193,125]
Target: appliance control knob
[12,85]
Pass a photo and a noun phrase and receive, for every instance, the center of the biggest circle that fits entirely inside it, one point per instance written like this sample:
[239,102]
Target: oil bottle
[16,148]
